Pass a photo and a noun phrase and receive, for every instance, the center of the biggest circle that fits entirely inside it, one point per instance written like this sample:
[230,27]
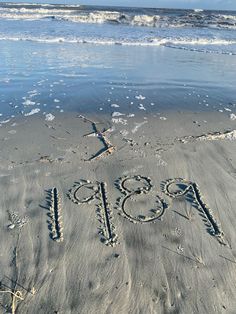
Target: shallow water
[85,78]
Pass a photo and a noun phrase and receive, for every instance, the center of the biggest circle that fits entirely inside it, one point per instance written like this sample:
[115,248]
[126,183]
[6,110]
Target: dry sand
[101,262]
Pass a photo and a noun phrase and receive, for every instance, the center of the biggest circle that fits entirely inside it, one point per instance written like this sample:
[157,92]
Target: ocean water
[209,31]
[85,58]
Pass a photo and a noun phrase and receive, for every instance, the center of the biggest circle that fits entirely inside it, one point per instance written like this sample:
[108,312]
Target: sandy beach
[117,159]
[119,240]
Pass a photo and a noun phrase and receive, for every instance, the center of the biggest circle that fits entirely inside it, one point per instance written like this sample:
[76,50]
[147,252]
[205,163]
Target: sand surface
[118,243]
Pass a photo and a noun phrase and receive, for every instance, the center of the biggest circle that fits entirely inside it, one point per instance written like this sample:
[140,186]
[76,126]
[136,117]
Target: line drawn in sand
[213,136]
[105,214]
[127,186]
[55,222]
[90,191]
[101,135]
[191,189]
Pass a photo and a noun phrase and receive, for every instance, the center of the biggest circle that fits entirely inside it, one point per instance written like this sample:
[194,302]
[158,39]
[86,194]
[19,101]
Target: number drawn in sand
[134,188]
[105,214]
[55,223]
[88,190]
[191,189]
[84,192]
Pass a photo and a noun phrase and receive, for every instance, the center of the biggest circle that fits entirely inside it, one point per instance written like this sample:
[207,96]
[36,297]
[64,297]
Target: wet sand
[122,239]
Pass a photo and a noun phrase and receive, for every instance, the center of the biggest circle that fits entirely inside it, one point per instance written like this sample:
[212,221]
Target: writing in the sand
[135,189]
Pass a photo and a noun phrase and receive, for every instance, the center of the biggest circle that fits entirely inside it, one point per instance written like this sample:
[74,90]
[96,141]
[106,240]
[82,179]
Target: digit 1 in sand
[108,228]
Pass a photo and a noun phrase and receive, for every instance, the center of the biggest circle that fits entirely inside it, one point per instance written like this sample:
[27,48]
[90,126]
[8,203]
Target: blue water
[205,31]
[57,58]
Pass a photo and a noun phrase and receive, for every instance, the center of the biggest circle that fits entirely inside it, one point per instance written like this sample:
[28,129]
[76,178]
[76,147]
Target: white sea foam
[140,97]
[28,102]
[68,13]
[137,126]
[119,121]
[185,43]
[232,116]
[49,117]
[5,121]
[188,30]
[141,107]
[117,114]
[33,111]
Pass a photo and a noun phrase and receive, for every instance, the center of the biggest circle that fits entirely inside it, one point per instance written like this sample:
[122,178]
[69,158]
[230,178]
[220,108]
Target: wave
[149,18]
[36,5]
[196,41]
[180,43]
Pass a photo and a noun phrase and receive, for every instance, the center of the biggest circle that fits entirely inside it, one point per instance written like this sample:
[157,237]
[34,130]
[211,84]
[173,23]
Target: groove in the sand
[131,192]
[74,191]
[106,213]
[191,187]
[108,148]
[56,218]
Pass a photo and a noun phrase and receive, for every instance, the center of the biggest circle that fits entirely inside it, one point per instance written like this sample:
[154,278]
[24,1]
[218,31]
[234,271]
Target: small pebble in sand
[12,226]
[163,118]
[180,249]
[232,116]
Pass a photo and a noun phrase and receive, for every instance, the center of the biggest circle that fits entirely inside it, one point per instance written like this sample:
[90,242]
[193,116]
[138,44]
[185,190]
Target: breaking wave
[197,44]
[138,17]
